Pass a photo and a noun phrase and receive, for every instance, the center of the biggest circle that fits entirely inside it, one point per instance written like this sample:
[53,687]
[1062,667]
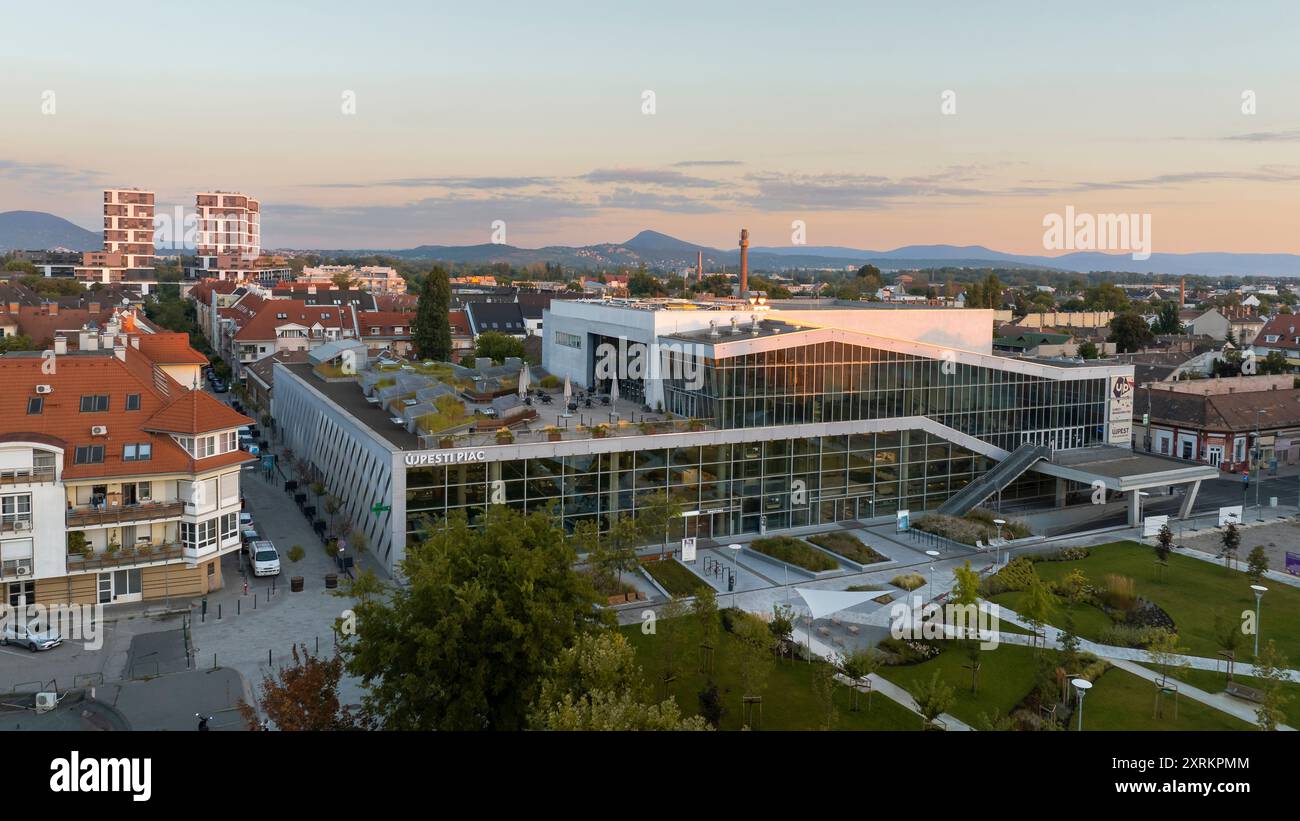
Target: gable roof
[276,313]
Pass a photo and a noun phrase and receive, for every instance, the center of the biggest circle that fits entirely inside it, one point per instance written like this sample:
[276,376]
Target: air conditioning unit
[45,389]
[22,524]
[23,570]
[99,430]
[46,702]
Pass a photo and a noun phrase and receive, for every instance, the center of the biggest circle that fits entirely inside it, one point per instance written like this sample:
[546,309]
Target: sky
[875,125]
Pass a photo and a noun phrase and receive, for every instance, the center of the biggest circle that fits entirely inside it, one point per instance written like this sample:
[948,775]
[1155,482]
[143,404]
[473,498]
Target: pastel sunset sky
[764,113]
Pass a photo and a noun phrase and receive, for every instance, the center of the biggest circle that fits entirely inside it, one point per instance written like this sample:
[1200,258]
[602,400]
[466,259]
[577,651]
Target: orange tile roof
[459,323]
[163,405]
[385,321]
[263,325]
[169,348]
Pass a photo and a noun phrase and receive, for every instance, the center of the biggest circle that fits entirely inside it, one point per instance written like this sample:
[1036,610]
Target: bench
[1243,692]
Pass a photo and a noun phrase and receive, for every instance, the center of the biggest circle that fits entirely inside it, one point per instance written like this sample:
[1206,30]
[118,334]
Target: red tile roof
[263,325]
[459,323]
[168,348]
[385,322]
[164,406]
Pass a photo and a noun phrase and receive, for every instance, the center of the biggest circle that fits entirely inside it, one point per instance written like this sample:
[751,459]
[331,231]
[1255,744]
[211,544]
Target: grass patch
[789,701]
[848,546]
[908,581]
[1190,591]
[974,526]
[674,577]
[1006,677]
[1088,620]
[1213,681]
[869,588]
[1120,700]
[792,551]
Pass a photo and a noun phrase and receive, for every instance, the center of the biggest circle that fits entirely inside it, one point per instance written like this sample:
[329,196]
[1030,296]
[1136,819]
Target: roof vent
[713,327]
[735,327]
[753,324]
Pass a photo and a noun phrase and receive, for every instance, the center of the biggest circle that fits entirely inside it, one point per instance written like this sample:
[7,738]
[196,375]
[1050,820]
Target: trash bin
[295,584]
[331,581]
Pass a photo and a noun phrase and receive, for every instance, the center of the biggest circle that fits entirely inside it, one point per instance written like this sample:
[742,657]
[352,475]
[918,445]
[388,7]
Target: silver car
[30,636]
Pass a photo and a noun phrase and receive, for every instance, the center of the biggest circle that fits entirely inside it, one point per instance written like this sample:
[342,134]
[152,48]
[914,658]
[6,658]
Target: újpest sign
[1121,411]
[439,458]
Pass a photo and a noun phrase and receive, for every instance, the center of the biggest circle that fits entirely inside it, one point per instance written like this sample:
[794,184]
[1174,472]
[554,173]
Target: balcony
[91,516]
[26,476]
[157,554]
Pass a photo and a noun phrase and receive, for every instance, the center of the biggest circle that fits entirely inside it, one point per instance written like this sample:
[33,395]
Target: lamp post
[735,573]
[933,554]
[1259,511]
[1260,590]
[997,552]
[1081,687]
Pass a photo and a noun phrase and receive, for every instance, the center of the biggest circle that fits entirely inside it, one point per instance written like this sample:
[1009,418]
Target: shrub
[793,551]
[1119,592]
[908,581]
[1065,554]
[863,588]
[974,526]
[1124,635]
[550,382]
[899,652]
[848,546]
[296,553]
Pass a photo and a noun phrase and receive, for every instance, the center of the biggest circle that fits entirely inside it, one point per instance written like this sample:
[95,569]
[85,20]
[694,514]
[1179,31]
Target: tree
[711,707]
[1130,333]
[655,515]
[1257,562]
[857,665]
[1069,640]
[782,626]
[1231,543]
[707,627]
[1165,654]
[596,684]
[1164,543]
[342,280]
[304,695]
[1167,320]
[824,689]
[16,342]
[484,611]
[1088,350]
[622,540]
[1038,605]
[1228,637]
[754,643]
[672,638]
[1271,670]
[498,347]
[933,698]
[432,332]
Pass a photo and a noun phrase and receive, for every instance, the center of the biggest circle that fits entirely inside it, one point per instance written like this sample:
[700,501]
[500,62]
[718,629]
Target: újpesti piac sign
[441,458]
[1120,417]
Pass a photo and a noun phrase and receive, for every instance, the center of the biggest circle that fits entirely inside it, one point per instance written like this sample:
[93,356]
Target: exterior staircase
[1002,474]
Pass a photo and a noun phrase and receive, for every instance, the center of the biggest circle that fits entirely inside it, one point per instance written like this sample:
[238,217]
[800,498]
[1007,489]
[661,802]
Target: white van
[264,558]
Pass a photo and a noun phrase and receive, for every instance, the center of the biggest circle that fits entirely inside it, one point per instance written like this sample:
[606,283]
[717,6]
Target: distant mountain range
[658,250]
[34,230]
[38,231]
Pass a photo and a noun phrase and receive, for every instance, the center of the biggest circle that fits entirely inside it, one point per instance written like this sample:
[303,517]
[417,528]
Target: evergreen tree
[432,333]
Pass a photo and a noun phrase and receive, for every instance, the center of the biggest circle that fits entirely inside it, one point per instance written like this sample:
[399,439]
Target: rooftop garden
[847,545]
[793,551]
[978,525]
[451,413]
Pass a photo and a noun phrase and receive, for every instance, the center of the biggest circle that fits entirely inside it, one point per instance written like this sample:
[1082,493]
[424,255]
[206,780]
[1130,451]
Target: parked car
[245,521]
[247,536]
[264,558]
[218,386]
[30,636]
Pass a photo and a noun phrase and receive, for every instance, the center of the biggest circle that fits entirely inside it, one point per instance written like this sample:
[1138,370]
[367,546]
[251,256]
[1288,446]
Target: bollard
[268,657]
[214,661]
[218,611]
[239,606]
[318,645]
[254,601]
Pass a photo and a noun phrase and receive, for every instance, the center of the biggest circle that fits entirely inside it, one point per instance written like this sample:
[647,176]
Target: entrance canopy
[822,603]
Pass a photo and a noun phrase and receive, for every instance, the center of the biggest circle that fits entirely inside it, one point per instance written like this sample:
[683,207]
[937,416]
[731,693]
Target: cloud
[1287,136]
[705,163]
[853,192]
[649,201]
[50,176]
[471,183]
[648,176]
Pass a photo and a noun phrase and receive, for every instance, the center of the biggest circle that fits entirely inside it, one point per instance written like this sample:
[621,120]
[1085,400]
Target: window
[139,452]
[89,455]
[397,331]
[35,405]
[568,340]
[144,491]
[200,536]
[94,404]
[14,554]
[229,441]
[133,401]
[14,509]
[229,526]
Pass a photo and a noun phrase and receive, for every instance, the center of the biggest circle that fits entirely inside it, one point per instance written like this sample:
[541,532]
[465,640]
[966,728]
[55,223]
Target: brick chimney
[53,308]
[13,307]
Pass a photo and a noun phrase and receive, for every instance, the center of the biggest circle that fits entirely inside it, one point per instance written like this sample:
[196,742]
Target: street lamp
[735,560]
[1260,590]
[933,554]
[1081,687]
[997,552]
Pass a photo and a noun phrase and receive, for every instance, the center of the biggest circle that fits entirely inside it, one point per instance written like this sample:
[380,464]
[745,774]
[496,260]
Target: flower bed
[848,546]
[974,526]
[792,551]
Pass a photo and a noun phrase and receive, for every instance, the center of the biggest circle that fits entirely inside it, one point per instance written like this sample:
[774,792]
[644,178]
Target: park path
[1128,658]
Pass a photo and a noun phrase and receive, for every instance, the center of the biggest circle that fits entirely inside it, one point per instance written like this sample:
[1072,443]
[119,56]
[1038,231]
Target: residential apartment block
[128,238]
[117,484]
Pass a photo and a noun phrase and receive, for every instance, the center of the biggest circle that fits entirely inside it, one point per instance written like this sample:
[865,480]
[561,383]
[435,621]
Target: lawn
[793,551]
[1212,681]
[1120,700]
[789,701]
[675,578]
[1006,677]
[848,546]
[1088,620]
[1191,591]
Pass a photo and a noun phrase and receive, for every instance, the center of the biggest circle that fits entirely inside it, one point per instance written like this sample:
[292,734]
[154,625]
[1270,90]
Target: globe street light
[735,560]
[1081,687]
[1260,590]
[997,552]
[933,554]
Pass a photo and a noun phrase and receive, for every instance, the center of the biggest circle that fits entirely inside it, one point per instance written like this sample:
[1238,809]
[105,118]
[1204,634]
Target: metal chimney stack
[744,261]
[699,266]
